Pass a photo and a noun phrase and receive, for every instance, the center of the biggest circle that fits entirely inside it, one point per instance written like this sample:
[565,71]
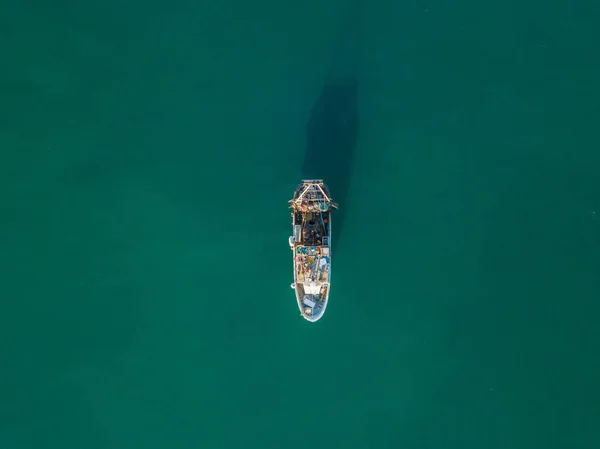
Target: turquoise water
[148,151]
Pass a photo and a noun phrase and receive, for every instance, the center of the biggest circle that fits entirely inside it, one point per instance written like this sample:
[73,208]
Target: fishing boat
[311,246]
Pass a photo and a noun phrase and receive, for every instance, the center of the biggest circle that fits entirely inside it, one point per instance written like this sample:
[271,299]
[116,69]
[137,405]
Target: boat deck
[312,264]
[312,306]
[310,243]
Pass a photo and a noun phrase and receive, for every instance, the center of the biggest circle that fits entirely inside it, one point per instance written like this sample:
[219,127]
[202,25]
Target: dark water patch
[332,128]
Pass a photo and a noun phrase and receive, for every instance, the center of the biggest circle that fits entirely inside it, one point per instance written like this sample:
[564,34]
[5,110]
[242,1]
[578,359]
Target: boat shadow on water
[332,128]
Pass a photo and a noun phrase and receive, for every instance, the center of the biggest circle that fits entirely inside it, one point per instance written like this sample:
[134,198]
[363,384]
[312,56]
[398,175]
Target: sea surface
[147,154]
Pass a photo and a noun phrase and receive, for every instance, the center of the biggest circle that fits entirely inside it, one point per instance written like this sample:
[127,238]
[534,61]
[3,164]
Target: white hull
[309,312]
[311,248]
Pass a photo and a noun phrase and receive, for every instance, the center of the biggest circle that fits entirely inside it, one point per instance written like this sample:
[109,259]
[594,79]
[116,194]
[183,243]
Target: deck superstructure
[311,246]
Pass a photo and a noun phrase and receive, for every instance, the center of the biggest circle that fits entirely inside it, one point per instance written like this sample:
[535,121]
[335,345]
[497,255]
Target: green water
[147,153]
